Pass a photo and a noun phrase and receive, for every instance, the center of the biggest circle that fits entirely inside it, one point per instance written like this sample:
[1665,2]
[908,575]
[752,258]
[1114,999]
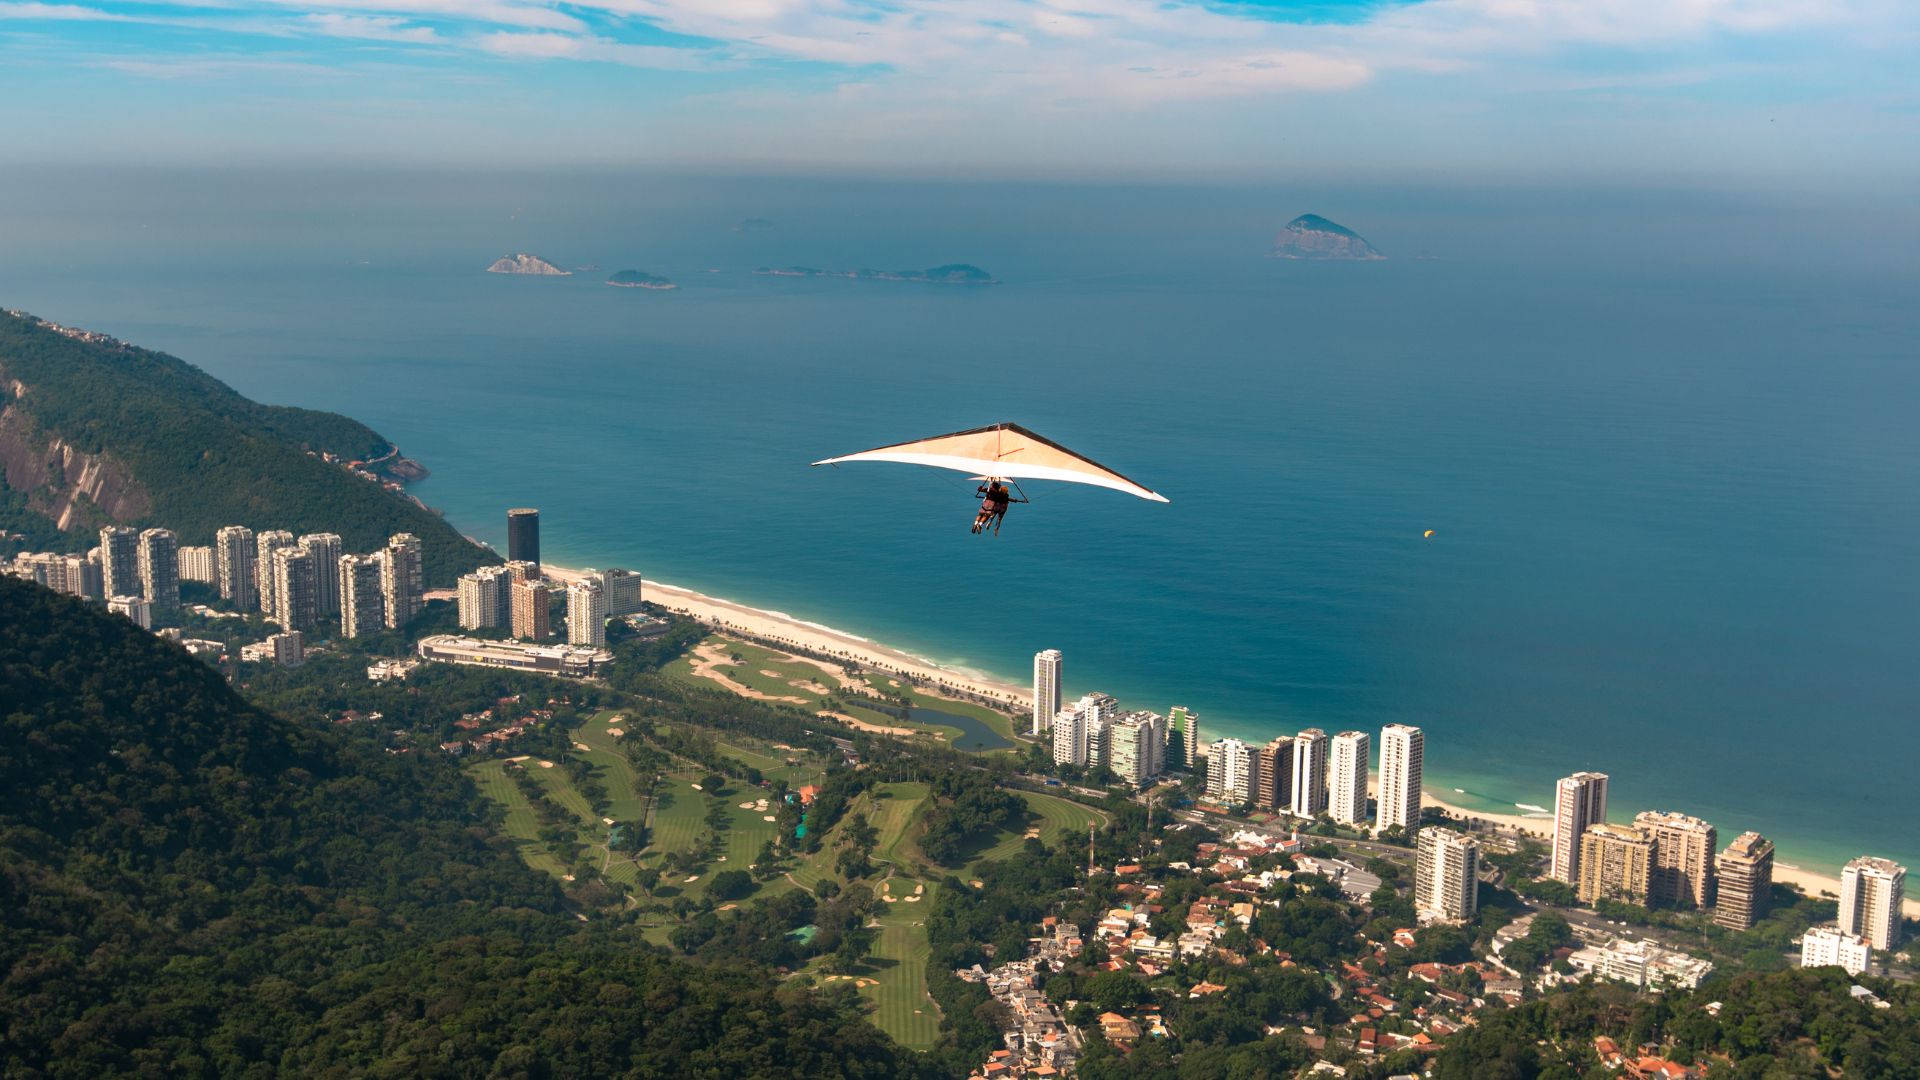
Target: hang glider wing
[1005,451]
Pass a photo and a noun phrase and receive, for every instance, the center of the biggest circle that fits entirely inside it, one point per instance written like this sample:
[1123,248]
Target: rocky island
[950,274]
[1311,236]
[638,279]
[523,263]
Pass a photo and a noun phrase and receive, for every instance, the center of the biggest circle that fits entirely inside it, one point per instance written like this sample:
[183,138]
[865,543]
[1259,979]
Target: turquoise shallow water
[1668,448]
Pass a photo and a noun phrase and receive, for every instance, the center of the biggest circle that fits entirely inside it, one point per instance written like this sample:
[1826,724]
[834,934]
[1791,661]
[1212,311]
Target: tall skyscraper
[1872,899]
[196,564]
[157,557]
[1185,724]
[1616,863]
[363,604]
[1745,872]
[1579,800]
[1137,747]
[1070,737]
[325,549]
[1309,773]
[1047,668]
[1683,851]
[403,579]
[623,591]
[532,614]
[264,545]
[586,613]
[523,535]
[1446,874]
[234,556]
[1403,751]
[1230,771]
[1273,778]
[1347,773]
[120,561]
[295,606]
[486,598]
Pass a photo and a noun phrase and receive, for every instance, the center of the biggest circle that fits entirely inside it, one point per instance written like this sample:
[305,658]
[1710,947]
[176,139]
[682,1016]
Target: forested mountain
[94,431]
[192,886]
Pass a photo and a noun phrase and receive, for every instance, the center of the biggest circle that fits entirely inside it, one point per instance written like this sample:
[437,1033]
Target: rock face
[523,263]
[1311,236]
[77,490]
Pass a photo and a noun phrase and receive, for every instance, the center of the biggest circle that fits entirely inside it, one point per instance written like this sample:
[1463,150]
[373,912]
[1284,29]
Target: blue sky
[1797,93]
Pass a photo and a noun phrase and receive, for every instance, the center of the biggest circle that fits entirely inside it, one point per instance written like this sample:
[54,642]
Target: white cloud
[368,27]
[58,13]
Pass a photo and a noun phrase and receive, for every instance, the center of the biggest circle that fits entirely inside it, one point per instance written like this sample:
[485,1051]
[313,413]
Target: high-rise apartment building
[1047,670]
[1616,863]
[83,577]
[586,613]
[1136,747]
[234,556]
[1745,873]
[133,607]
[289,647]
[1230,771]
[520,570]
[403,579]
[363,604]
[295,605]
[120,561]
[1683,855]
[1827,946]
[1446,874]
[1183,724]
[1872,900]
[1348,770]
[196,564]
[1070,737]
[485,598]
[1579,800]
[1309,773]
[532,611]
[623,591]
[326,551]
[1079,736]
[265,543]
[157,558]
[523,535]
[1273,774]
[1403,751]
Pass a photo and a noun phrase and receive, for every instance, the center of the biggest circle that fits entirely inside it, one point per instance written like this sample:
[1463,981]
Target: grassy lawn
[521,824]
[1052,814]
[902,1008]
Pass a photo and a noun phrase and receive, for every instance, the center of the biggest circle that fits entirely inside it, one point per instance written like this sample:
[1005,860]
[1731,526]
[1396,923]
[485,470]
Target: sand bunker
[517,760]
[582,746]
[691,880]
[606,821]
[617,733]
[546,764]
[746,806]
[768,817]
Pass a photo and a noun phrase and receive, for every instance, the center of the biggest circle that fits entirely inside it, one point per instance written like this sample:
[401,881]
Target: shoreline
[783,628]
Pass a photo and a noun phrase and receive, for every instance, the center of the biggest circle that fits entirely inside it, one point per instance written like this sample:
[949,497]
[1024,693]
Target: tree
[730,885]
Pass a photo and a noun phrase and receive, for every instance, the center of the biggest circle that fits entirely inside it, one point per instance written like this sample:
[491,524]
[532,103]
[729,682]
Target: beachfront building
[1183,724]
[133,607]
[233,556]
[363,606]
[120,561]
[622,589]
[1446,875]
[1309,773]
[1745,881]
[1047,668]
[1273,774]
[157,560]
[1230,768]
[532,611]
[264,545]
[1579,801]
[523,535]
[326,551]
[586,613]
[402,579]
[1616,863]
[1136,747]
[295,605]
[1403,751]
[1683,850]
[1829,946]
[1872,896]
[196,564]
[485,598]
[1347,774]
[571,660]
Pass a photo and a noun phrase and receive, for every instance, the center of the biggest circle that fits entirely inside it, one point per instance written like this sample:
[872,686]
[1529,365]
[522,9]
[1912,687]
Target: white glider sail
[1005,452]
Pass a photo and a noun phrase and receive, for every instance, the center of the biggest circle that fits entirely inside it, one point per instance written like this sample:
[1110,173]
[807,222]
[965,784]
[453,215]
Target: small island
[523,263]
[753,224]
[950,274]
[638,279]
[1311,236]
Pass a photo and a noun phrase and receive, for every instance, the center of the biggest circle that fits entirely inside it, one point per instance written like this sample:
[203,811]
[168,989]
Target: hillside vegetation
[167,444]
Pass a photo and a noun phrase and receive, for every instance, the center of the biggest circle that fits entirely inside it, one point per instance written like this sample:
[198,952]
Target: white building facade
[1403,751]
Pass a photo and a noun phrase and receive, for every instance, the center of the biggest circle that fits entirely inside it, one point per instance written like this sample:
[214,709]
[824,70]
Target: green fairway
[1052,815]
[902,1007]
[521,824]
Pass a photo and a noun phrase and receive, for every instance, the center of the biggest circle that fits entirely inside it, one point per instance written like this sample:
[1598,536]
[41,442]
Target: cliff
[523,263]
[1311,236]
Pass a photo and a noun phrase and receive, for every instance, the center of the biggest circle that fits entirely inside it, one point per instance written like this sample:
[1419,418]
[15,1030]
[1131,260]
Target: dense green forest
[205,455]
[192,886]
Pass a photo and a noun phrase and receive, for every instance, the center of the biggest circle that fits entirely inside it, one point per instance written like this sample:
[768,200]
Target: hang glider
[1002,452]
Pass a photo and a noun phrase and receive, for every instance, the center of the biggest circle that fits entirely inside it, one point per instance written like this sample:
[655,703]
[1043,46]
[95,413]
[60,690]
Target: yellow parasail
[1428,535]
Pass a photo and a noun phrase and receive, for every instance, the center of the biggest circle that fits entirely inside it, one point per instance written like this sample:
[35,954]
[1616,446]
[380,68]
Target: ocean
[1666,440]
